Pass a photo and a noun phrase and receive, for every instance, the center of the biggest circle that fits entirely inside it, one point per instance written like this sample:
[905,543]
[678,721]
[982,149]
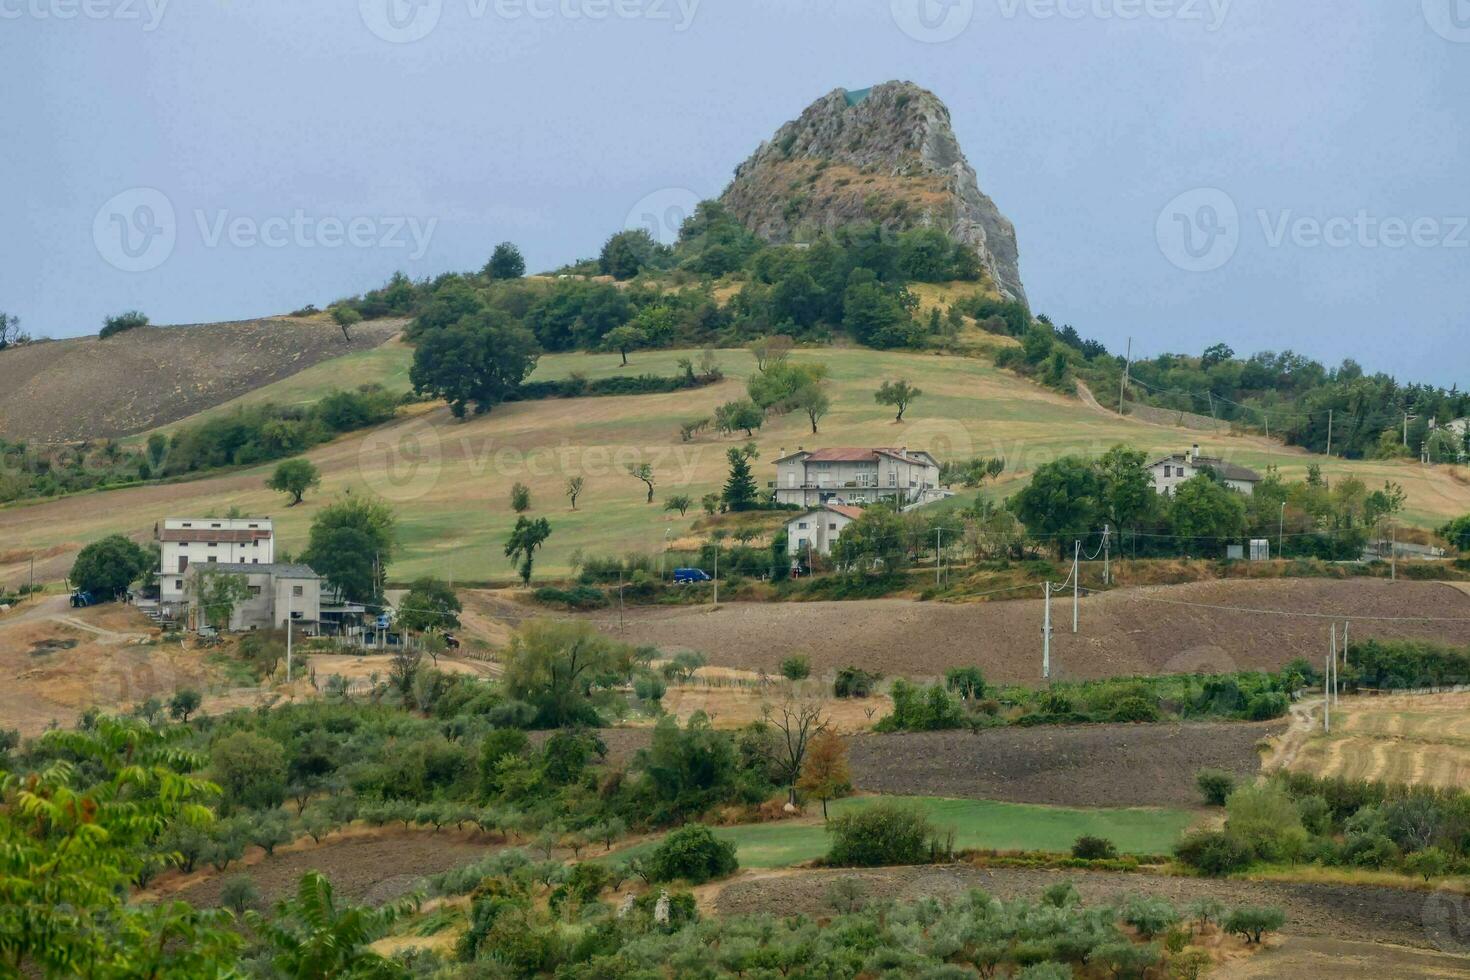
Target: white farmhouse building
[817,530]
[276,593]
[1169,472]
[185,541]
[811,478]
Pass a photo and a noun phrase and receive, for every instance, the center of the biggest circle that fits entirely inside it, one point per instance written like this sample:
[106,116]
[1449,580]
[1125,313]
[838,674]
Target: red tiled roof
[846,510]
[216,535]
[845,455]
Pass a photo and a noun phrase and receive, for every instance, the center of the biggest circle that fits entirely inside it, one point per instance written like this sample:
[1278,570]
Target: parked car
[684,576]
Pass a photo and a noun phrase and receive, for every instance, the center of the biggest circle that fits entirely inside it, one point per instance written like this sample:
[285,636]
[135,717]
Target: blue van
[683,576]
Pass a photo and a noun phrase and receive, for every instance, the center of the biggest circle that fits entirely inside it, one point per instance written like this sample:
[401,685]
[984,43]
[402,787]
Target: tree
[644,472]
[506,262]
[740,488]
[250,770]
[623,339]
[295,477]
[1061,501]
[1253,922]
[796,723]
[313,939]
[1457,533]
[880,834]
[574,489]
[118,323]
[693,854]
[1204,511]
[812,400]
[346,317]
[75,836]
[350,545]
[825,774]
[796,668]
[554,666]
[480,360]
[239,893]
[183,704]
[743,414]
[525,538]
[628,253]
[1127,494]
[877,314]
[1215,785]
[680,502]
[429,605]
[520,497]
[107,567]
[898,394]
[10,333]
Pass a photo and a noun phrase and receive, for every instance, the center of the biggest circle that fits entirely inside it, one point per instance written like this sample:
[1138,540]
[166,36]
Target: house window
[893,478]
[178,583]
[297,590]
[214,525]
[254,591]
[212,559]
[801,526]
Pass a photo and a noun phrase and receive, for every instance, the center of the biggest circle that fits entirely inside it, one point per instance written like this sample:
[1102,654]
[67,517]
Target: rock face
[886,155]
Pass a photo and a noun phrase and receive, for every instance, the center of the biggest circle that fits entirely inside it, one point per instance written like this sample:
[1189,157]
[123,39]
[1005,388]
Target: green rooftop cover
[853,98]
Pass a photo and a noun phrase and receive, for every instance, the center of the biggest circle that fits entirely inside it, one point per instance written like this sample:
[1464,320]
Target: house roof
[1226,470]
[857,454]
[846,510]
[278,569]
[214,535]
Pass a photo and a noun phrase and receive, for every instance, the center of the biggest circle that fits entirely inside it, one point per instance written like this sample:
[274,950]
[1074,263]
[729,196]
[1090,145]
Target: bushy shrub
[692,853]
[1135,709]
[883,833]
[1253,922]
[1216,785]
[1213,853]
[917,709]
[1150,916]
[854,682]
[1263,707]
[796,668]
[1369,850]
[1090,848]
[113,325]
[579,597]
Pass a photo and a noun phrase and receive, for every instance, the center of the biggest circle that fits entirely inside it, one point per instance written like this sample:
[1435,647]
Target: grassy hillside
[450,481]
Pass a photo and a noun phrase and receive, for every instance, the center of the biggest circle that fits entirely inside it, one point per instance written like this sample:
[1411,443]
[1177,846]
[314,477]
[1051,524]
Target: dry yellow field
[1417,739]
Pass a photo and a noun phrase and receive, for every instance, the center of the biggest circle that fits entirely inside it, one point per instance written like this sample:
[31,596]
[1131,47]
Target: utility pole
[1281,533]
[1046,634]
[1336,693]
[620,600]
[1393,553]
[1107,555]
[717,573]
[1407,417]
[1327,697]
[937,532]
[1123,382]
[288,634]
[1329,432]
[1076,581]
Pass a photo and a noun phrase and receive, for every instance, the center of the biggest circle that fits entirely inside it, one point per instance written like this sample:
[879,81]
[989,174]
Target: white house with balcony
[811,478]
[1169,472]
[188,541]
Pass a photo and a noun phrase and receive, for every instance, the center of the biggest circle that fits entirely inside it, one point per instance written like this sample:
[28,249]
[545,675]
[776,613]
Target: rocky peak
[887,154]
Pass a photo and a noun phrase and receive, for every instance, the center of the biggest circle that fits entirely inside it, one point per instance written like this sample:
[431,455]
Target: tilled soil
[1375,914]
[1074,765]
[364,869]
[85,388]
[1138,631]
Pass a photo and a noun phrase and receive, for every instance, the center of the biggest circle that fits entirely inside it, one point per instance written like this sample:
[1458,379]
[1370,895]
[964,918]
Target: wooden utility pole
[1046,634]
[1329,432]
[1123,382]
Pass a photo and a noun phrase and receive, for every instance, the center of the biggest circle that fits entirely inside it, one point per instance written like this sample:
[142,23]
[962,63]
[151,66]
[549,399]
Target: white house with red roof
[851,475]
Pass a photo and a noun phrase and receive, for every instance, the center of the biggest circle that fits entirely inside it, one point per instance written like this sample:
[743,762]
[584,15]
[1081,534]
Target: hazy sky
[1271,173]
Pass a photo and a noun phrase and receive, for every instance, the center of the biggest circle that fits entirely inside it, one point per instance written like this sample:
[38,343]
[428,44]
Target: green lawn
[978,824]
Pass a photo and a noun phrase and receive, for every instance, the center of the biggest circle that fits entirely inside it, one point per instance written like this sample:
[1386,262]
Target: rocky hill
[85,388]
[886,154]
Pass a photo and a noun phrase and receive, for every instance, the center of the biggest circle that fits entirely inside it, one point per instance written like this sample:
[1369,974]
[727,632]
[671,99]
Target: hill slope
[85,388]
[450,481]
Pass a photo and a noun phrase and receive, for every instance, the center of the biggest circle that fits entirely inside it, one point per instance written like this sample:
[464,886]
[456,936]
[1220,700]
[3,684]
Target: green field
[978,825]
[449,481]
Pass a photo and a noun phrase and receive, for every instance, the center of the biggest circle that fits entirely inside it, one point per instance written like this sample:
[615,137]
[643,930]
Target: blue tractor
[685,576]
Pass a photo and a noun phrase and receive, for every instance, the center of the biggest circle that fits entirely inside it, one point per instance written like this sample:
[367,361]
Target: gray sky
[1273,174]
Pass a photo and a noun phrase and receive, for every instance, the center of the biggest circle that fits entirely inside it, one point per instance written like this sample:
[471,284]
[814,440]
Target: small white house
[185,541]
[1169,472]
[817,530]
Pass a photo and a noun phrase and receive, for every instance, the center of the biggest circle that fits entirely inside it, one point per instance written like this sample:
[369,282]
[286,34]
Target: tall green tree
[479,361]
[429,605]
[1203,511]
[295,477]
[219,595]
[740,491]
[506,262]
[106,568]
[1063,501]
[351,544]
[555,666]
[628,253]
[527,536]
[900,394]
[1127,494]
